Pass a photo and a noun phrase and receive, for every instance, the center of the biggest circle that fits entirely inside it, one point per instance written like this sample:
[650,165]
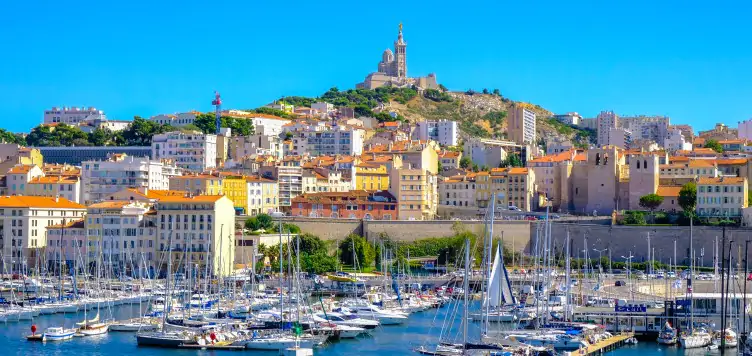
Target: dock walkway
[602,346]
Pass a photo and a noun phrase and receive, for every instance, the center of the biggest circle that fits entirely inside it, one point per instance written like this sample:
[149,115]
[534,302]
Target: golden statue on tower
[400,26]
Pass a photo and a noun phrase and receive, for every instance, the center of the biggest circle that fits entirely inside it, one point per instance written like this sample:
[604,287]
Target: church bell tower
[400,55]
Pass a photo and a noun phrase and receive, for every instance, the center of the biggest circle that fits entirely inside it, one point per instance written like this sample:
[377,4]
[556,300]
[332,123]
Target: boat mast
[689,276]
[744,311]
[723,290]
[465,285]
[568,282]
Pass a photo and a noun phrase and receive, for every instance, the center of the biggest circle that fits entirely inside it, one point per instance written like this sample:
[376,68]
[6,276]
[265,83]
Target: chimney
[57,198]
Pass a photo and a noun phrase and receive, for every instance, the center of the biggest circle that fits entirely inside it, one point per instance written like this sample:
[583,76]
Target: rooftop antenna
[217,102]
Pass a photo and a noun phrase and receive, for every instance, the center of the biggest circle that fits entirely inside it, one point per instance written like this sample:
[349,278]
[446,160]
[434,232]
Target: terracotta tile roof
[110,205]
[704,151]
[356,196]
[54,180]
[391,124]
[191,199]
[731,161]
[699,163]
[668,191]
[731,142]
[449,154]
[559,157]
[157,193]
[73,224]
[518,170]
[259,179]
[21,169]
[721,180]
[673,159]
[25,201]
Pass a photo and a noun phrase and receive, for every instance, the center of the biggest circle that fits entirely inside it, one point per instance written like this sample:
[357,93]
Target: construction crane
[217,102]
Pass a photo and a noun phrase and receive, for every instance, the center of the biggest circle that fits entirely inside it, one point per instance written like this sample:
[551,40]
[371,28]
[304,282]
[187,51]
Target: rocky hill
[478,115]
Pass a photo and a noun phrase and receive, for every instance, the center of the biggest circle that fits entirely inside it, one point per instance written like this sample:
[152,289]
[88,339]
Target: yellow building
[482,189]
[200,229]
[371,176]
[198,184]
[235,188]
[514,187]
[416,192]
[263,195]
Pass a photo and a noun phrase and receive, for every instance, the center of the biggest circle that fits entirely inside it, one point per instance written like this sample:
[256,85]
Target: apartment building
[176,120]
[355,204]
[445,132]
[411,153]
[490,153]
[68,187]
[371,176]
[255,145]
[67,247]
[236,189]
[263,195]
[483,189]
[102,178]
[620,137]
[322,139]
[605,121]
[19,176]
[654,128]
[12,154]
[416,191]
[721,197]
[197,229]
[552,174]
[289,176]
[198,184]
[115,231]
[24,221]
[193,151]
[458,191]
[514,187]
[72,115]
[521,125]
[570,118]
[263,124]
[675,141]
[449,160]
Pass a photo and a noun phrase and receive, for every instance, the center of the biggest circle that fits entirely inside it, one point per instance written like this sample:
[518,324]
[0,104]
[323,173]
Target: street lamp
[628,260]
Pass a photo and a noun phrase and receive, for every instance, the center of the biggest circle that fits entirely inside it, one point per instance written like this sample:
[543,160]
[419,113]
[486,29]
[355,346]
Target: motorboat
[163,339]
[57,333]
[133,326]
[338,331]
[278,342]
[347,320]
[375,313]
[560,342]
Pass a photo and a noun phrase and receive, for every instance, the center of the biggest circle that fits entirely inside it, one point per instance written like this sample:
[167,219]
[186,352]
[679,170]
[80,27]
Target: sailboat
[667,336]
[499,300]
[698,337]
[91,327]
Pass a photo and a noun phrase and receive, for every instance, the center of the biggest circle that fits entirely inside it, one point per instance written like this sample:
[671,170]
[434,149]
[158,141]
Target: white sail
[92,321]
[494,282]
[506,287]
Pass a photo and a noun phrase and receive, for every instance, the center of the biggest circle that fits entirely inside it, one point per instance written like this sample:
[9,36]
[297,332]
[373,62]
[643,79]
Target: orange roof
[698,163]
[259,179]
[699,140]
[156,193]
[721,180]
[73,224]
[731,142]
[668,191]
[518,170]
[730,161]
[678,159]
[704,151]
[54,179]
[110,205]
[191,199]
[391,124]
[559,157]
[21,169]
[25,201]
[449,154]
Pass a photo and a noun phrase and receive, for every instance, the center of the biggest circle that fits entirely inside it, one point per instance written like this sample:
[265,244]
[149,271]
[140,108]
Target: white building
[103,178]
[654,128]
[268,125]
[176,120]
[322,107]
[675,141]
[745,129]
[193,151]
[445,132]
[621,138]
[570,118]
[521,127]
[606,121]
[242,146]
[24,222]
[72,116]
[487,152]
[328,140]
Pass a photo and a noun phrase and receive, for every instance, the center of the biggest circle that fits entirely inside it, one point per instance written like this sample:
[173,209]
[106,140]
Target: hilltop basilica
[392,70]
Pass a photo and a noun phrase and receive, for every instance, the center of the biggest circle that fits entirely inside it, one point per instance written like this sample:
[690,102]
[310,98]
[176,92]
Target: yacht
[58,334]
[558,341]
[698,338]
[375,313]
[667,336]
[278,342]
[133,326]
[731,339]
[163,339]
[346,319]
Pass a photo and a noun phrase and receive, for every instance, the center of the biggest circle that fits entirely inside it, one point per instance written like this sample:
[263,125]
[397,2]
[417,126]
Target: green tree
[496,92]
[714,145]
[651,202]
[140,131]
[512,160]
[749,198]
[60,135]
[443,88]
[485,91]
[688,198]
[207,123]
[465,162]
[364,252]
[9,137]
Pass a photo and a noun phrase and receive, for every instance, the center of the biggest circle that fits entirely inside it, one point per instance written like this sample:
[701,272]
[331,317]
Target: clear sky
[685,59]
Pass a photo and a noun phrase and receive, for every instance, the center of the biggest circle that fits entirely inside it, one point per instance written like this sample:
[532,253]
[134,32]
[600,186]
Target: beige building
[19,176]
[514,187]
[721,197]
[118,231]
[450,160]
[12,154]
[24,222]
[263,195]
[319,180]
[670,195]
[643,177]
[457,191]
[200,229]
[521,127]
[416,192]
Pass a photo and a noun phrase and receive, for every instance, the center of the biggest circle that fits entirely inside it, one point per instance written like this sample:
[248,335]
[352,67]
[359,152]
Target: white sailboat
[499,304]
[91,327]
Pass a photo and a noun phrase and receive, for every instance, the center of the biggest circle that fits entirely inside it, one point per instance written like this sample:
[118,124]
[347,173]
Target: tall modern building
[193,151]
[570,118]
[745,129]
[102,178]
[72,116]
[606,121]
[445,132]
[521,127]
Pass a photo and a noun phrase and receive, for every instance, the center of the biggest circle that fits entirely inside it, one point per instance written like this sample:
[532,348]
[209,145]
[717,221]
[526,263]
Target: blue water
[421,329]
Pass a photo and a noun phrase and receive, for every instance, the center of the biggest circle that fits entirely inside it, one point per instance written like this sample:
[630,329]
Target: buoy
[33,329]
[213,337]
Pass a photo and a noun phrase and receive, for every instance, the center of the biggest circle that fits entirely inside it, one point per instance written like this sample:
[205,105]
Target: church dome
[387,56]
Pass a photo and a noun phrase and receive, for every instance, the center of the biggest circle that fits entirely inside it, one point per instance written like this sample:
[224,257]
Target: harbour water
[421,329]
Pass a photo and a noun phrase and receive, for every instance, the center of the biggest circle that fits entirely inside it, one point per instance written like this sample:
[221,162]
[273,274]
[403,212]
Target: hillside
[478,115]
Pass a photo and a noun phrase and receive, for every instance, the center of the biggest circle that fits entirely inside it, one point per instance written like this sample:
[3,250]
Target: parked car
[620,284]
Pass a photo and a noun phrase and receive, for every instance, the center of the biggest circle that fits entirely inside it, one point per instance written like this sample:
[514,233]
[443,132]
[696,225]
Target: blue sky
[689,60]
